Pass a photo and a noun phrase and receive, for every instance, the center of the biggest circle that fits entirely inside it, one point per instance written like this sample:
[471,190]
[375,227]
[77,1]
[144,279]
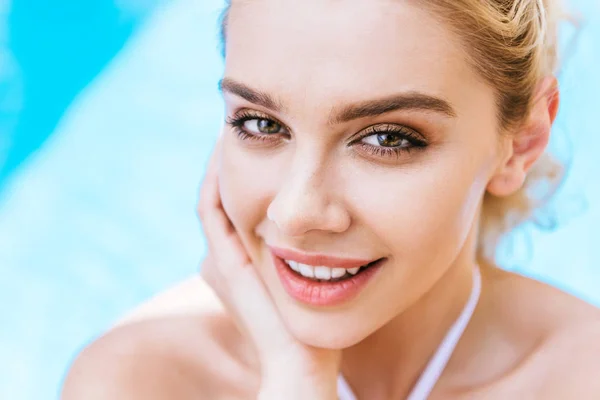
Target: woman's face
[355,129]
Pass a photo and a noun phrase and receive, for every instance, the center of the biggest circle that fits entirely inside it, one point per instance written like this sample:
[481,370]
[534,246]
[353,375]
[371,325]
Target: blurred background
[108,113]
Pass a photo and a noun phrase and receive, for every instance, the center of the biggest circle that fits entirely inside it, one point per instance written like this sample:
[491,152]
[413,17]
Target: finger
[210,199]
[236,282]
[246,299]
[222,237]
[207,270]
[207,198]
[227,269]
[210,274]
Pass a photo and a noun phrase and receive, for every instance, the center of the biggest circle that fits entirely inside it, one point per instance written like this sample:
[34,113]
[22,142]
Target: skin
[315,188]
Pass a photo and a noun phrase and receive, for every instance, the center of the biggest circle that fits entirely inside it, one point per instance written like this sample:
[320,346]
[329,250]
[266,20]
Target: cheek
[422,208]
[246,182]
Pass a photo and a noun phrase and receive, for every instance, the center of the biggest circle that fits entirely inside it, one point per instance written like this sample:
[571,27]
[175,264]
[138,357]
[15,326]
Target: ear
[529,142]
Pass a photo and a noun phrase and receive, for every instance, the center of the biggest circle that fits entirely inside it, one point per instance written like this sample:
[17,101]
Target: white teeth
[294,265]
[323,273]
[338,272]
[307,270]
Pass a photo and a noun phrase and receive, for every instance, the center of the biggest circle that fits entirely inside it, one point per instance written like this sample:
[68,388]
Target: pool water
[100,214]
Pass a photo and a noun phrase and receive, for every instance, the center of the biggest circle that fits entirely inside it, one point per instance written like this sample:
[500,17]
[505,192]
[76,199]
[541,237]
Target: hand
[290,369]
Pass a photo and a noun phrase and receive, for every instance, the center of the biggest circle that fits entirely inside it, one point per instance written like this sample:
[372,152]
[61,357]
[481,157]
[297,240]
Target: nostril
[296,212]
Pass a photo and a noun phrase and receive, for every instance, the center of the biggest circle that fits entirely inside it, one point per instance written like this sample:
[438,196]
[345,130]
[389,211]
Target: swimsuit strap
[344,390]
[437,363]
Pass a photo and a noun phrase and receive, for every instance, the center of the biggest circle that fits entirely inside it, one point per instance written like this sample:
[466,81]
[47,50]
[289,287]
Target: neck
[388,363]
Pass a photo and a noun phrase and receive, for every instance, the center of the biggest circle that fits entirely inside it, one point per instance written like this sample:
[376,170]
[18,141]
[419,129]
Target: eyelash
[237,123]
[416,142]
[401,132]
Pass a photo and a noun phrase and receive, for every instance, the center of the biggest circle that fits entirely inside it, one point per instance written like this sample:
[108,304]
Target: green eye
[254,126]
[264,126]
[387,140]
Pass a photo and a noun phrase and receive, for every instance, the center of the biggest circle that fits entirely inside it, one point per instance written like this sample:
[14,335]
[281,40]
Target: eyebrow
[249,94]
[403,101]
[370,108]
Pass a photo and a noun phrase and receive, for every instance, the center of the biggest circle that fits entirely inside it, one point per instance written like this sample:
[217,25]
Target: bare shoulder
[179,345]
[565,362]
[565,366]
[190,297]
[569,361]
[538,302]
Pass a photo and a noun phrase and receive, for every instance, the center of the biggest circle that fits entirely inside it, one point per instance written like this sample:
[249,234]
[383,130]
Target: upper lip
[320,259]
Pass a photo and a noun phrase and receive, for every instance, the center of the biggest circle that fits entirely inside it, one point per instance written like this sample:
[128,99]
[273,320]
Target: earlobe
[529,142]
[507,182]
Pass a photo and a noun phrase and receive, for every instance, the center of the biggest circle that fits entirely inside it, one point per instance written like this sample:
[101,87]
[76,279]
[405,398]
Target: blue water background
[108,112]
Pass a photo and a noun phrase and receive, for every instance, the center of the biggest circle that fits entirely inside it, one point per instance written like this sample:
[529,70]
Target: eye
[259,128]
[387,139]
[262,126]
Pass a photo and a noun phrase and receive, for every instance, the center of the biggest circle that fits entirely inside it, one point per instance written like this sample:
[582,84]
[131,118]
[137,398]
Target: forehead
[321,50]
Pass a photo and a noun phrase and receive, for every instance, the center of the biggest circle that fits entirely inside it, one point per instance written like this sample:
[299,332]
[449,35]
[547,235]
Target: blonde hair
[512,44]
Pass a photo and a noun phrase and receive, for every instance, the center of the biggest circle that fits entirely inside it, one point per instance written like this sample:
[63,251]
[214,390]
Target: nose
[305,203]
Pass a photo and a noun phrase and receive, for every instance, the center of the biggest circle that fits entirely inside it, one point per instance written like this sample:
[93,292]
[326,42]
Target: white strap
[344,391]
[438,362]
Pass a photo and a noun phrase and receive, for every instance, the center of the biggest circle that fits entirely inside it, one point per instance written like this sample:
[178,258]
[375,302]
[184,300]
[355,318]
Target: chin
[327,332]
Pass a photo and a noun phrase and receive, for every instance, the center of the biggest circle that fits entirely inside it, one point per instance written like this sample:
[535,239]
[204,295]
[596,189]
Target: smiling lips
[321,280]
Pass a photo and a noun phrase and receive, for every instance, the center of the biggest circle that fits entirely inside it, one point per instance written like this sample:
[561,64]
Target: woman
[374,153]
